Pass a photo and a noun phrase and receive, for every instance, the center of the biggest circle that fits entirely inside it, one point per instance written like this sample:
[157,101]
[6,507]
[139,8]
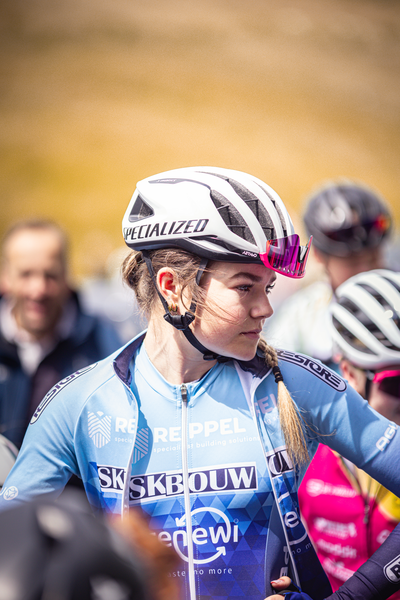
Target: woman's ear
[168,285]
[355,376]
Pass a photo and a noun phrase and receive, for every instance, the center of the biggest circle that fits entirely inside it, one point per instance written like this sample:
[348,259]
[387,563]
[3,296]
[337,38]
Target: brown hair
[185,264]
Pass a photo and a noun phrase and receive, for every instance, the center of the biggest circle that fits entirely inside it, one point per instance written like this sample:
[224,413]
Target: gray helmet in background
[345,217]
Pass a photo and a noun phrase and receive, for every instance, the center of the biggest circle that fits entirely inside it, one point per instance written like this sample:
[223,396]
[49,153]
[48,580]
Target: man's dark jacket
[91,340]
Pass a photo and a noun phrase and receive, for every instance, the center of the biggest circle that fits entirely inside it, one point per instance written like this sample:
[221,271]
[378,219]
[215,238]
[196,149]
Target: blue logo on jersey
[163,485]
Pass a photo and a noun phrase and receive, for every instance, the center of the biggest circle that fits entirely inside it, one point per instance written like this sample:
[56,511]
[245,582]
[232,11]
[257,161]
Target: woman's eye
[244,288]
[269,288]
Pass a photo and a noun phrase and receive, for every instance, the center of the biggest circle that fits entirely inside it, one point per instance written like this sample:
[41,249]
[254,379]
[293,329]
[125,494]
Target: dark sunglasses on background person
[363,231]
[388,381]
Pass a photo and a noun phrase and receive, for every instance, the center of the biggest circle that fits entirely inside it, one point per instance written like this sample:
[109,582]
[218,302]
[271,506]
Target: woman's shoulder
[75,390]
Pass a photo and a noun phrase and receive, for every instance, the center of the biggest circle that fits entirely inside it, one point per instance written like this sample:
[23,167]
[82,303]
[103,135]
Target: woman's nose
[262,309]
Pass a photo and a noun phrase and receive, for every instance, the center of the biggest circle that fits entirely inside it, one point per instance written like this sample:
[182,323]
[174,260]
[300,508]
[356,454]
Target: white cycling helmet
[366,319]
[218,214]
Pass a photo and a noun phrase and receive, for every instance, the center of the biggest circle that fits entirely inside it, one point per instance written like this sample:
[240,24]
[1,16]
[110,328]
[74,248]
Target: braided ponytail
[291,423]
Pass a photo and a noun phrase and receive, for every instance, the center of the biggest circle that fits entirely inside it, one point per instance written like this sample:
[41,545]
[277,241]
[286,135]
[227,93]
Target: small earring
[172,308]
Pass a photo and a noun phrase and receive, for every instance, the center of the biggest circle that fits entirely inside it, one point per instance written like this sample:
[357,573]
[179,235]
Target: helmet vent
[350,338]
[386,307]
[392,283]
[231,217]
[265,214]
[140,210]
[367,321]
[256,207]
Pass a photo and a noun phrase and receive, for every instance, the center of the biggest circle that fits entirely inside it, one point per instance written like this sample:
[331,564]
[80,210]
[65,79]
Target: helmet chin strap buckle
[180,322]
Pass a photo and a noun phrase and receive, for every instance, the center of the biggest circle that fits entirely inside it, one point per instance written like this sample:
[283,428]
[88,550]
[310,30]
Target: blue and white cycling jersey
[205,461]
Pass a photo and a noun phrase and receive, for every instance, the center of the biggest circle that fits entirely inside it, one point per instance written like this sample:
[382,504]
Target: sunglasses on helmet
[388,381]
[362,231]
[287,256]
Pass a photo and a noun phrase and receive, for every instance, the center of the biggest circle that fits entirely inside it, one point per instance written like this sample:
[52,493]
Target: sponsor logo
[247,253]
[315,367]
[141,444]
[223,426]
[217,535]
[392,570]
[387,436]
[266,405]
[156,230]
[337,569]
[337,549]
[9,493]
[56,389]
[111,478]
[125,425]
[333,528]
[279,462]
[318,487]
[382,536]
[99,428]
[173,434]
[167,484]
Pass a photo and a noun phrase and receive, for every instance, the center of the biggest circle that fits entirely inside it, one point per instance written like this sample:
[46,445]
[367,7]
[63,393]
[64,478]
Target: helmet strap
[368,383]
[182,322]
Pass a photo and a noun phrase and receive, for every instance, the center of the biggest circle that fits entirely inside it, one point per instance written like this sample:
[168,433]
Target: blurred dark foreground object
[57,550]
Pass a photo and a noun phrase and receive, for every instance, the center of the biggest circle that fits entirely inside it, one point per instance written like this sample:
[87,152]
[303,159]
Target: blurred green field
[98,94]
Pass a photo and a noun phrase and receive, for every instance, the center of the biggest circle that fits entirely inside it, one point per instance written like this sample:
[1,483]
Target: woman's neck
[172,355]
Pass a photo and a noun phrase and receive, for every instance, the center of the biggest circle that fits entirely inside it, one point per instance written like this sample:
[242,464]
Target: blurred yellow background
[97,94]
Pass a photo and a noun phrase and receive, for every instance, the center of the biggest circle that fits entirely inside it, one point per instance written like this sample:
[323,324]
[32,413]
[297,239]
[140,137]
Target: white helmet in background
[8,456]
[366,319]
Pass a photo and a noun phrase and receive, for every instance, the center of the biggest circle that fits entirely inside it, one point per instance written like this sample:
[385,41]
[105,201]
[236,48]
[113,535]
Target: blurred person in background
[348,514]
[349,223]
[44,334]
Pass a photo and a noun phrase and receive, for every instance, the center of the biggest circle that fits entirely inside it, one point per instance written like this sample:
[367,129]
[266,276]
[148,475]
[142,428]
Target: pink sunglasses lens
[389,382]
[286,256]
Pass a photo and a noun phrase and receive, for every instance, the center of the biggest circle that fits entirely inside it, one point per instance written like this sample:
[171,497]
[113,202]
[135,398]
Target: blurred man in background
[349,223]
[44,334]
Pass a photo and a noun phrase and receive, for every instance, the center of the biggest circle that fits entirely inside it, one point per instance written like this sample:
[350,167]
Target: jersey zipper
[186,492]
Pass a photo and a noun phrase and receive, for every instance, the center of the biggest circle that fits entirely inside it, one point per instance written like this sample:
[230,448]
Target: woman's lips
[254,334]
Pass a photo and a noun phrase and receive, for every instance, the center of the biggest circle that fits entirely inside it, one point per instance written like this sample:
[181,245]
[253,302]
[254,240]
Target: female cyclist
[348,514]
[192,421]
